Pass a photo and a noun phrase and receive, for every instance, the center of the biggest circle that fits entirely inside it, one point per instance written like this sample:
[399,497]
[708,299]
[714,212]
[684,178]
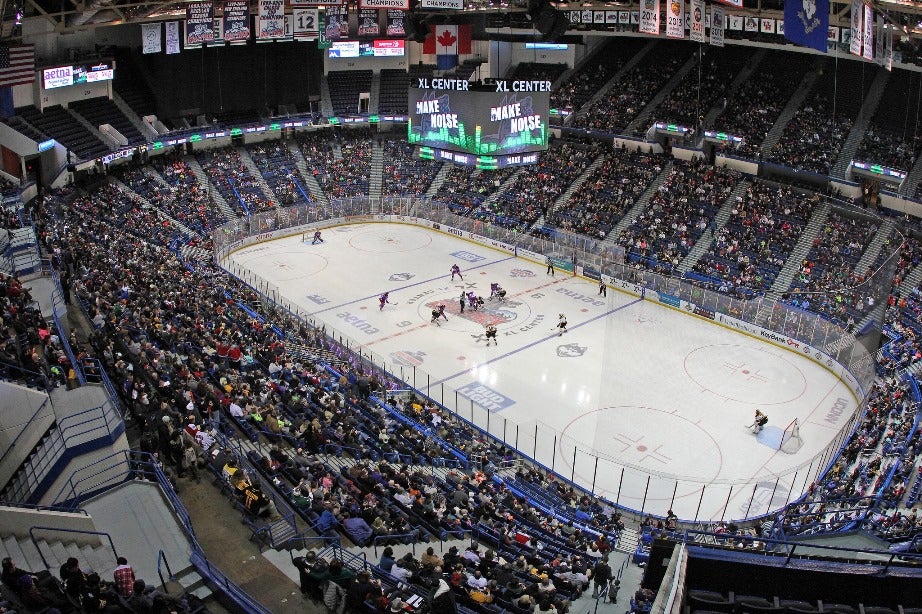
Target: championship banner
[271,22]
[337,22]
[867,34]
[218,27]
[368,22]
[306,23]
[675,19]
[150,37]
[879,41]
[649,17]
[402,5]
[854,46]
[199,23]
[395,23]
[696,31]
[718,19]
[236,21]
[172,37]
[888,49]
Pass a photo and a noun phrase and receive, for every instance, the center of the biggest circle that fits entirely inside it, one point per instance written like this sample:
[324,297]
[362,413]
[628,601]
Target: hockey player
[561,325]
[491,334]
[383,300]
[456,270]
[478,302]
[317,238]
[497,292]
[435,316]
[472,300]
[441,309]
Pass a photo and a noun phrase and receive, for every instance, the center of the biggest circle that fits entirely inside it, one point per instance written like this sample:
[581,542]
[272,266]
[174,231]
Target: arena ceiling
[71,15]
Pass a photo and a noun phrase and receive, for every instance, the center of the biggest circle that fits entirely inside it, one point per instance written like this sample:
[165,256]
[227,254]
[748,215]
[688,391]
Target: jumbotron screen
[493,119]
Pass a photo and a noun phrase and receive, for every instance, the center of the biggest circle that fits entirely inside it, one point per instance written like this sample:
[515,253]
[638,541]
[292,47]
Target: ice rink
[662,397]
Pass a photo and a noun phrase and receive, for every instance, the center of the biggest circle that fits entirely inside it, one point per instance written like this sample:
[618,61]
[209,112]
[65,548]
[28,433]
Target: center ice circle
[745,374]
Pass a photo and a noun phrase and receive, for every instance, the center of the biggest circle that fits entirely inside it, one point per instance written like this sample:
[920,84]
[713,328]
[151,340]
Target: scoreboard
[494,119]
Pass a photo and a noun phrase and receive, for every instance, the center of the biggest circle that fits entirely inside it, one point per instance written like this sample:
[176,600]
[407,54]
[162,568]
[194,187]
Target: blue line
[534,343]
[425,281]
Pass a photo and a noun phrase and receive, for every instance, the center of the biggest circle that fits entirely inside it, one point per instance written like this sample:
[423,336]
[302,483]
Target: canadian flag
[447,43]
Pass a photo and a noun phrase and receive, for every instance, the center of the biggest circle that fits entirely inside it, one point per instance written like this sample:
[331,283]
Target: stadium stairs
[376,171]
[573,187]
[855,136]
[603,91]
[374,93]
[264,187]
[145,129]
[438,180]
[110,142]
[884,233]
[641,123]
[317,193]
[326,102]
[912,179]
[213,190]
[720,220]
[124,189]
[494,198]
[740,78]
[796,257]
[790,109]
[612,239]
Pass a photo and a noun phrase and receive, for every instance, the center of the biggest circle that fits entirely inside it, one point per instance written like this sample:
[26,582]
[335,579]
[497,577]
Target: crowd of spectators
[184,199]
[752,109]
[233,179]
[465,189]
[827,282]
[607,194]
[682,208]
[280,170]
[626,99]
[404,174]
[701,88]
[750,250]
[882,147]
[572,94]
[341,176]
[533,193]
[812,139]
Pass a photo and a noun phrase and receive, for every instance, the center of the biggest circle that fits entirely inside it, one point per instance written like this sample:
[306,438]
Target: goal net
[790,439]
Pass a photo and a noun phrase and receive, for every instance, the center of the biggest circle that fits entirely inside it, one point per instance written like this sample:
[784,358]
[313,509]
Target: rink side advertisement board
[497,118]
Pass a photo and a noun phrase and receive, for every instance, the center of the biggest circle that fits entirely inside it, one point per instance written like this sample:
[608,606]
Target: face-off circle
[746,374]
[389,240]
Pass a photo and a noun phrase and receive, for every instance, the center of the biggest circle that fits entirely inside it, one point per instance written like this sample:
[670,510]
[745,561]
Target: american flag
[17,65]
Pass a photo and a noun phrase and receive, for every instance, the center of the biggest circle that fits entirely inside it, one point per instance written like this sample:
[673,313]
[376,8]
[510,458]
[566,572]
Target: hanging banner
[854,46]
[403,5]
[767,26]
[736,22]
[718,19]
[306,23]
[271,21]
[675,19]
[696,31]
[150,37]
[395,24]
[172,37]
[867,34]
[218,26]
[879,41]
[888,49]
[199,23]
[649,17]
[751,24]
[236,21]
[368,23]
[337,22]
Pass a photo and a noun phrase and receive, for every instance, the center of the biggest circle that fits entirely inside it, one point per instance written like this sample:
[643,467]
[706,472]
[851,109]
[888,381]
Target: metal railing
[161,563]
[32,530]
